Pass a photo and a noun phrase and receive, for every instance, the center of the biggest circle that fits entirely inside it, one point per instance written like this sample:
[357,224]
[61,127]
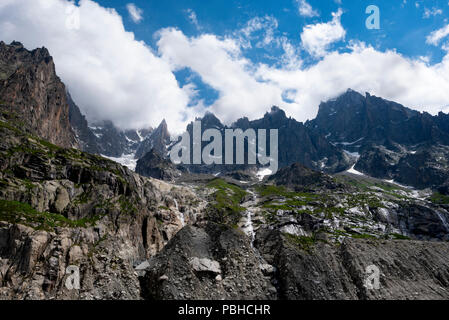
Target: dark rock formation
[86,138]
[31,91]
[158,140]
[153,165]
[368,119]
[297,143]
[394,142]
[298,176]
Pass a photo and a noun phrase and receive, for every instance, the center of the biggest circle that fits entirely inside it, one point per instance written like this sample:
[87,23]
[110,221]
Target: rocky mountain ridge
[388,140]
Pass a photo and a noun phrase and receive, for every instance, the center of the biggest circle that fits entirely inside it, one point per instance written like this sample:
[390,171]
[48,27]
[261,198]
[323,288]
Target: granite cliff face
[158,140]
[61,207]
[30,88]
[296,143]
[388,140]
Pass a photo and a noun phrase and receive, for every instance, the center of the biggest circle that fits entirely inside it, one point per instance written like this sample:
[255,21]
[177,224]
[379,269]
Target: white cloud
[259,30]
[109,74]
[135,13]
[306,10]
[220,64]
[316,38]
[191,15]
[386,74]
[248,89]
[431,12]
[436,36]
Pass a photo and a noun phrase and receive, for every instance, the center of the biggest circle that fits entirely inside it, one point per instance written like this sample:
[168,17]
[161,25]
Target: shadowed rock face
[298,176]
[394,142]
[153,165]
[31,91]
[352,116]
[158,141]
[296,143]
[86,138]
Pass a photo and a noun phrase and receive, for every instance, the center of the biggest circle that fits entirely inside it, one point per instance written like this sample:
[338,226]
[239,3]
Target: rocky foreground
[140,238]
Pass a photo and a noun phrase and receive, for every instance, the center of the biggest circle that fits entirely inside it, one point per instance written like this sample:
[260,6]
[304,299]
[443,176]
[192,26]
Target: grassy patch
[23,213]
[362,236]
[303,242]
[225,205]
[126,206]
[398,236]
[227,196]
[439,198]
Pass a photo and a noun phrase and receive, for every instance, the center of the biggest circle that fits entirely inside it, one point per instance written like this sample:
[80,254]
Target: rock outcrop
[62,207]
[31,91]
[407,269]
[153,165]
[158,141]
[210,262]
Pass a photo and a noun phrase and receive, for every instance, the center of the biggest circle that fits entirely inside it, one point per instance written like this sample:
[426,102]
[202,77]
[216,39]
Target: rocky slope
[61,207]
[30,88]
[272,242]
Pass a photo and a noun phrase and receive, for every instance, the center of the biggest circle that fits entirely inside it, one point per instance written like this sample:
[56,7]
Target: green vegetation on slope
[439,198]
[226,202]
[23,213]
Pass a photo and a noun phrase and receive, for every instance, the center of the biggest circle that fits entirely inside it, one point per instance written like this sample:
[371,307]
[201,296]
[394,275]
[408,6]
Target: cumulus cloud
[135,13]
[436,36]
[220,64]
[110,74]
[316,38]
[386,74]
[306,10]
[248,89]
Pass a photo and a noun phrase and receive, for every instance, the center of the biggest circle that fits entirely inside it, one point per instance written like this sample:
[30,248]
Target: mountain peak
[16,44]
[351,94]
[276,109]
[162,129]
[209,120]
[275,112]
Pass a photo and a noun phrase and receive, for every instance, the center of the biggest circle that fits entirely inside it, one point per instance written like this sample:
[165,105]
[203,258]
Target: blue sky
[404,26]
[136,62]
